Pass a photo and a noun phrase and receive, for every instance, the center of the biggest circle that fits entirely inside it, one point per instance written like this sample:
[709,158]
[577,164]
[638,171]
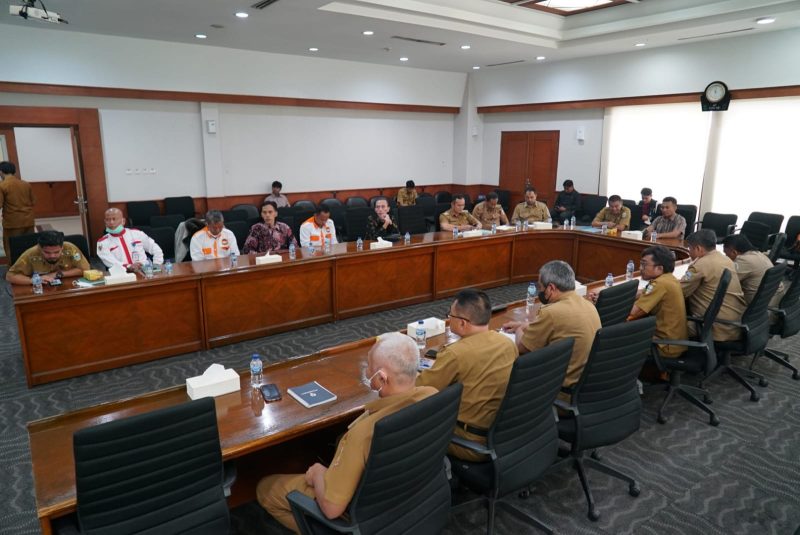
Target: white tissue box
[215,381]
[632,234]
[380,245]
[542,225]
[472,233]
[433,326]
[120,279]
[268,259]
[580,289]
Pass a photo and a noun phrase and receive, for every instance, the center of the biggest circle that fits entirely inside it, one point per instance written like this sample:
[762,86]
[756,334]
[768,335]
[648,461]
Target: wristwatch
[59,274]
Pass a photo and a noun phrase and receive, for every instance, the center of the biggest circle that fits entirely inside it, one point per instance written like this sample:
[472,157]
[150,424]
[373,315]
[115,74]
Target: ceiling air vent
[713,34]
[263,3]
[421,41]
[506,63]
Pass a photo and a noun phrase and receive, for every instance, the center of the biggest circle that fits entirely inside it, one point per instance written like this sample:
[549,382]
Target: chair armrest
[471,445]
[561,404]
[684,343]
[694,319]
[305,505]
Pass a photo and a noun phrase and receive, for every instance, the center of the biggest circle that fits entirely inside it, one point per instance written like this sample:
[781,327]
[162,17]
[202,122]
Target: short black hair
[492,195]
[661,257]
[50,238]
[530,188]
[474,305]
[277,184]
[322,209]
[647,191]
[705,238]
[458,196]
[269,203]
[614,198]
[410,184]
[568,183]
[8,168]
[673,200]
[739,243]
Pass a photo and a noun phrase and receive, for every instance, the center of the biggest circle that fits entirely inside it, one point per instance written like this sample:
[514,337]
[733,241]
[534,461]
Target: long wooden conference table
[210,303]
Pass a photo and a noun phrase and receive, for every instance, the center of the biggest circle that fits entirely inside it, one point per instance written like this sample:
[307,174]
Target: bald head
[113,219]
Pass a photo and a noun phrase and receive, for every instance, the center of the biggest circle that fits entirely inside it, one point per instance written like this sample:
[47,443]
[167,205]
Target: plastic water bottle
[407,238]
[327,244]
[525,225]
[359,244]
[572,222]
[147,267]
[494,228]
[311,250]
[419,335]
[609,280]
[629,269]
[234,259]
[604,229]
[36,281]
[292,251]
[517,225]
[455,233]
[532,293]
[256,369]
[168,267]
[653,236]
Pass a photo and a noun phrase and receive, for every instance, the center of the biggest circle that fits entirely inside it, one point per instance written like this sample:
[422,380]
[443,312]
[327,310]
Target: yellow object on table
[92,275]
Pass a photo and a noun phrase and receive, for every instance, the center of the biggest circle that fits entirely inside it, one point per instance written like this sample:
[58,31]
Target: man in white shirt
[125,247]
[318,227]
[213,240]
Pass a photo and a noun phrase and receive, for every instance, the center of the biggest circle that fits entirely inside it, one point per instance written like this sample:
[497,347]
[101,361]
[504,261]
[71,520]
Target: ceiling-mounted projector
[28,10]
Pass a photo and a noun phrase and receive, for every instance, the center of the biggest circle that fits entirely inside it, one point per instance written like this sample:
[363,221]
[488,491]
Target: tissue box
[380,245]
[433,326]
[632,234]
[472,233]
[580,289]
[215,381]
[268,259]
[92,275]
[120,279]
[542,225]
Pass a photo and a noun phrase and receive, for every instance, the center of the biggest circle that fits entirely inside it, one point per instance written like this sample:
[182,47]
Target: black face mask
[543,298]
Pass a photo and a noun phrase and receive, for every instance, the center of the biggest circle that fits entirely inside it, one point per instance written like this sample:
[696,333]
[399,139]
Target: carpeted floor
[741,477]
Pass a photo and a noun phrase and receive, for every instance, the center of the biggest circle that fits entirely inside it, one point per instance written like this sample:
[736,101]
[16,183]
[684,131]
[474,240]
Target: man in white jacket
[213,240]
[126,247]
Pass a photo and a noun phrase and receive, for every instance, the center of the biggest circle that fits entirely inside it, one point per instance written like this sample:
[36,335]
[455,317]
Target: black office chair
[786,326]
[700,358]
[170,220]
[722,224]
[165,238]
[252,211]
[356,201]
[689,213]
[522,443]
[440,209]
[772,221]
[79,241]
[777,246]
[19,244]
[411,219]
[140,212]
[757,233]
[605,406]
[240,229]
[158,472]
[305,206]
[179,205]
[355,221]
[404,488]
[467,202]
[234,215]
[754,327]
[332,203]
[504,198]
[636,216]
[443,197]
[300,217]
[590,206]
[614,304]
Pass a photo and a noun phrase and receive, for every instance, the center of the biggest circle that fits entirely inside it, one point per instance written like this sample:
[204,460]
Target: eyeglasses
[644,264]
[449,315]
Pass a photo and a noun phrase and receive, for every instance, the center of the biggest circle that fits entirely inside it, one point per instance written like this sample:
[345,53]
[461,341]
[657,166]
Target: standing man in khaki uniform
[614,215]
[407,196]
[564,314]
[391,371]
[751,264]
[457,217]
[701,280]
[531,210]
[52,258]
[481,361]
[663,298]
[489,212]
[16,201]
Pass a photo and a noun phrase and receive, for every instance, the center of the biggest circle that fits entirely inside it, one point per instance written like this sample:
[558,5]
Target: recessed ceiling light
[765,20]
[465,47]
[242,14]
[640,44]
[403,59]
[540,58]
[367,32]
[200,35]
[476,67]
[313,49]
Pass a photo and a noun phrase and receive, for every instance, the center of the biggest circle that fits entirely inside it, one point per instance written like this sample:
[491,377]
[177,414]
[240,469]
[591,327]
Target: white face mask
[368,382]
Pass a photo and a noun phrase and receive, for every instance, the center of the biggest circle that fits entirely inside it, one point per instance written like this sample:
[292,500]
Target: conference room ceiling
[429,33]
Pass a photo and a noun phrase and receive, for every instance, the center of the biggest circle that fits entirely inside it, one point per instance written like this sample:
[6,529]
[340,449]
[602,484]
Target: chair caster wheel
[707,400]
[594,516]
[524,494]
[754,397]
[661,419]
[634,490]
[796,376]
[714,421]
[763,382]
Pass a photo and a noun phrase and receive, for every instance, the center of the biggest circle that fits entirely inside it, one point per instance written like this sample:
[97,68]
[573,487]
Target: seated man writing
[126,247]
[52,258]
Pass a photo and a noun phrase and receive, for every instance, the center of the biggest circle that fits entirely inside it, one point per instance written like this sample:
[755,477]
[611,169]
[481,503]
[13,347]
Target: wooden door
[529,159]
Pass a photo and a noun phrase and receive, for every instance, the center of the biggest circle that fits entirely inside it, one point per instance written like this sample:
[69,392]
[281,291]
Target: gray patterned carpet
[741,477]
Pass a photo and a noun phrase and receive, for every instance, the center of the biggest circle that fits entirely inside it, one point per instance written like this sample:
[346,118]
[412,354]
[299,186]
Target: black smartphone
[270,392]
[55,282]
[431,353]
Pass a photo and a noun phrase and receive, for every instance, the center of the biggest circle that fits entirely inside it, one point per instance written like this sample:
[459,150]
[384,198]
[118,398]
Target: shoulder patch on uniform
[649,288]
[76,257]
[687,276]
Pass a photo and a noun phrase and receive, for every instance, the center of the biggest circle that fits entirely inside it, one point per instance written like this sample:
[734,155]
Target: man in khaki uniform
[391,371]
[16,201]
[407,196]
[701,280]
[663,298]
[457,217]
[489,212]
[531,210]
[52,258]
[751,264]
[564,314]
[614,215]
[481,361]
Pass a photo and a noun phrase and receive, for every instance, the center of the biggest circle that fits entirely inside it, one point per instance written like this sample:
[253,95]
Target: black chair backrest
[792,230]
[404,484]
[356,201]
[428,204]
[772,221]
[504,198]
[234,215]
[355,221]
[606,395]
[19,244]
[240,229]
[169,220]
[79,241]
[140,212]
[591,205]
[165,238]
[305,206]
[300,217]
[757,233]
[721,224]
[636,217]
[251,210]
[332,203]
[524,435]
[443,197]
[777,246]
[467,202]
[158,472]
[614,304]
[179,205]
[411,219]
[440,208]
[689,213]
[790,306]
[755,317]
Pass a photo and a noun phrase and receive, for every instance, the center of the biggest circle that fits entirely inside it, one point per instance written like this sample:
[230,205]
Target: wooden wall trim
[221,98]
[764,92]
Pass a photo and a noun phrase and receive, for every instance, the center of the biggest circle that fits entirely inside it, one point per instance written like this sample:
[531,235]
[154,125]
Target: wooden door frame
[86,124]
